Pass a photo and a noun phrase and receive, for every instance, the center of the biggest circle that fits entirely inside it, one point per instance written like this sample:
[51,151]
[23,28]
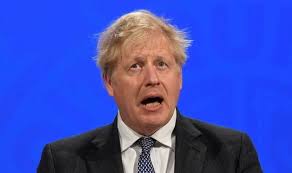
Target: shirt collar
[128,136]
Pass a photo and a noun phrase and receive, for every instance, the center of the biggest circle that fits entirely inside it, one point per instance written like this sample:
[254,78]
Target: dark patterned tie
[144,163]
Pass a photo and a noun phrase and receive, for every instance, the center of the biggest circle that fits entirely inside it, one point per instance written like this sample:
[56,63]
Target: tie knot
[146,143]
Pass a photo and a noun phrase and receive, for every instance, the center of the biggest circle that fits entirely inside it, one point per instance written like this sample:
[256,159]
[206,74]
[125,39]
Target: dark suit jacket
[200,148]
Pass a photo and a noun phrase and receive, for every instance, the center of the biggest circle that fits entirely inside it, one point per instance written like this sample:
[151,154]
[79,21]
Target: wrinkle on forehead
[149,40]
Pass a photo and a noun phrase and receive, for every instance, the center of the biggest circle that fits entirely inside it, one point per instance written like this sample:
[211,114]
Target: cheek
[125,89]
[177,86]
[173,86]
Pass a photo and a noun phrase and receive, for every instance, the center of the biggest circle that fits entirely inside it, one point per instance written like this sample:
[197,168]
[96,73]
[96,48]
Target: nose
[151,76]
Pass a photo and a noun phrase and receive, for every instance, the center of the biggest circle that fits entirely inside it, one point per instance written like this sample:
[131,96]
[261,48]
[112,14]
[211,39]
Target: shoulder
[63,155]
[231,148]
[216,137]
[207,129]
[215,130]
[82,142]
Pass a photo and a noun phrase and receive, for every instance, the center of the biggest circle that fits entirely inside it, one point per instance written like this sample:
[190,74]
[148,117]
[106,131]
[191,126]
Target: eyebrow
[159,57]
[139,58]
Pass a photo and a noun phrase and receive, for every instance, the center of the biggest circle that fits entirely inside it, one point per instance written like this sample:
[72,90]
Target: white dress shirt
[162,153]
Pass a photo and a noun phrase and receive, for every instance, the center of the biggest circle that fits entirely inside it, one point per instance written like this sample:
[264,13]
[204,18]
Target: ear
[108,84]
[181,80]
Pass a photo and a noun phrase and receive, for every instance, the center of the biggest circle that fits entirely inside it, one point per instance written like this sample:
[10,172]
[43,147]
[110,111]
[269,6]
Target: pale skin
[146,70]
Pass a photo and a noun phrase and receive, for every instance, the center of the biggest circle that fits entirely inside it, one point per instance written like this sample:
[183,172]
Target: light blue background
[238,73]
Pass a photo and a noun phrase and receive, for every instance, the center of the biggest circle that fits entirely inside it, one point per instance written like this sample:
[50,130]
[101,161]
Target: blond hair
[132,24]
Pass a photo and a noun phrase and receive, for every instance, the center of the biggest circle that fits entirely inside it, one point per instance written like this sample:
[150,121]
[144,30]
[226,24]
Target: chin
[155,122]
[149,129]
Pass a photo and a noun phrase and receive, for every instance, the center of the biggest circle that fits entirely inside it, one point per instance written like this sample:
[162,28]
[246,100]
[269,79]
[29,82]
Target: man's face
[146,83]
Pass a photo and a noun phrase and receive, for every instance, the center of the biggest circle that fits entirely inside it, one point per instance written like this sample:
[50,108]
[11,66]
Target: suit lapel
[190,151]
[105,153]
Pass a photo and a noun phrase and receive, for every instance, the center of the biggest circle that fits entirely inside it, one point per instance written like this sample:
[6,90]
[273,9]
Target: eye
[135,67]
[162,65]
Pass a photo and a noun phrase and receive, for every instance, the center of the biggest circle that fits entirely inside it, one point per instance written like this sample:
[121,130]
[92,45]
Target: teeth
[151,105]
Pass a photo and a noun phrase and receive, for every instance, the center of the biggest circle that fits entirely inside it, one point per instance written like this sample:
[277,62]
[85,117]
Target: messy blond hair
[137,23]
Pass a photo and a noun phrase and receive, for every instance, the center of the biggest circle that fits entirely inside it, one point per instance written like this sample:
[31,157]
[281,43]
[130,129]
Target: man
[141,58]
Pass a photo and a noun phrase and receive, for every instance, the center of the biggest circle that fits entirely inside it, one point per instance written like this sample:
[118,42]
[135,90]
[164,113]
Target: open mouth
[152,101]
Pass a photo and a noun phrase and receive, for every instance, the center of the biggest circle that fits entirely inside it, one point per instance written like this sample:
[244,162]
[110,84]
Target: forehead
[147,43]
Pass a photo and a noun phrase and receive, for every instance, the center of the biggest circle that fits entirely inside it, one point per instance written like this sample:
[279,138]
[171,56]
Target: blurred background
[238,74]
